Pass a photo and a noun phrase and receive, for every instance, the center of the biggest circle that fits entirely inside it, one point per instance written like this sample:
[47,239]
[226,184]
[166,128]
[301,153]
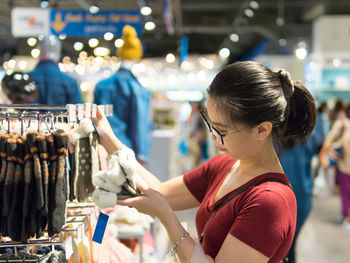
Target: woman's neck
[264,161]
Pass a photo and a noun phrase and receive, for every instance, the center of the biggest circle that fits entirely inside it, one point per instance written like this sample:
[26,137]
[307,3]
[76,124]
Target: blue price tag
[100,228]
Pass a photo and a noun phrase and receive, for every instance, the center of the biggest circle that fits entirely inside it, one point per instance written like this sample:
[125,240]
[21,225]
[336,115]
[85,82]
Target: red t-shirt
[263,217]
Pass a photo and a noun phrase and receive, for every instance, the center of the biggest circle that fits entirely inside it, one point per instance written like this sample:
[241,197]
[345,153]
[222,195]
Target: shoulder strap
[249,186]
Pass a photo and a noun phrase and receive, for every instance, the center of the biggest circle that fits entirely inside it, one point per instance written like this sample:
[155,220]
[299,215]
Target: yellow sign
[58,24]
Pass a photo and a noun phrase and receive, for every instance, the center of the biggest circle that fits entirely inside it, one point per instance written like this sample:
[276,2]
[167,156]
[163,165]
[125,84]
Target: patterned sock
[32,140]
[58,216]
[27,198]
[3,154]
[11,148]
[15,215]
[42,145]
[52,180]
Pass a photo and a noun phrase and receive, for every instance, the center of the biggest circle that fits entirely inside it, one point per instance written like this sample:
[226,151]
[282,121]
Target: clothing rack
[74,112]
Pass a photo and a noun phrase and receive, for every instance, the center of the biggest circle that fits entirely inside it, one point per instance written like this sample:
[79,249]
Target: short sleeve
[197,182]
[264,221]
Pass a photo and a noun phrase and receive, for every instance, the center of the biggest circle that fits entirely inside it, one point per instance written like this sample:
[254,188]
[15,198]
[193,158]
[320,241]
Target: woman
[336,147]
[249,108]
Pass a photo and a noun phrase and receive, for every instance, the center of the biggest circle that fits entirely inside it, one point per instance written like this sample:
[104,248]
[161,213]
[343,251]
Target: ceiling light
[12,63]
[22,64]
[146,10]
[101,51]
[224,52]
[248,12]
[108,36]
[44,3]
[93,42]
[62,36]
[254,5]
[282,42]
[118,42]
[93,9]
[35,53]
[78,46]
[280,21]
[336,62]
[170,58]
[31,41]
[301,53]
[149,26]
[234,37]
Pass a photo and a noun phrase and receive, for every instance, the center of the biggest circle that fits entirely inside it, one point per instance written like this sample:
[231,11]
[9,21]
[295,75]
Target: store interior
[176,49]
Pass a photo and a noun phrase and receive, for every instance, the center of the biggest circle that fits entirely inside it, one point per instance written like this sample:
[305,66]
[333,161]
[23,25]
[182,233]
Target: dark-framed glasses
[218,136]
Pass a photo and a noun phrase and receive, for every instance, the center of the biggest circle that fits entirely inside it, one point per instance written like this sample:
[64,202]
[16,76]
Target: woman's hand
[107,137]
[326,154]
[151,202]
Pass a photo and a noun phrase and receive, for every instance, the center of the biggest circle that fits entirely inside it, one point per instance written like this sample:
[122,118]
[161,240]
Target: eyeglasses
[218,136]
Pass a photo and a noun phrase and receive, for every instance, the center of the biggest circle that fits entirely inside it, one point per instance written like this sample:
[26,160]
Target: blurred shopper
[336,148]
[130,100]
[295,157]
[55,87]
[19,88]
[247,209]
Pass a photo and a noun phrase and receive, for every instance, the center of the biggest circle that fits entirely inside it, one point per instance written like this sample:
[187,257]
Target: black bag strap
[216,208]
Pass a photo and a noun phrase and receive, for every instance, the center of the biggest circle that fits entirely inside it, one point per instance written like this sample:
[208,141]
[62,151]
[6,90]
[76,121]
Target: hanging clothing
[131,110]
[55,87]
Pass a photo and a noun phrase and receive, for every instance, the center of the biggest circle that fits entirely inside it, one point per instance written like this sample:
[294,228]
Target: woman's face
[239,140]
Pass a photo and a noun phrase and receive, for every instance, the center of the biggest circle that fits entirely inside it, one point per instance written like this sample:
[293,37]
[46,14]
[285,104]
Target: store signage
[27,22]
[80,23]
[76,23]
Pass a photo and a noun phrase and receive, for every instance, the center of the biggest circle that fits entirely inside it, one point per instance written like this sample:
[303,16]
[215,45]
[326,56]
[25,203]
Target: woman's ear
[263,130]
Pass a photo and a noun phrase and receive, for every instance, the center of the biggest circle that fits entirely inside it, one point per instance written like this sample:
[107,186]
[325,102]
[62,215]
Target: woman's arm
[175,191]
[154,204]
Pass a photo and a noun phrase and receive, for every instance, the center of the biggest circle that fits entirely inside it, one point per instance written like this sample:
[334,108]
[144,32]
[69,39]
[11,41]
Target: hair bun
[287,82]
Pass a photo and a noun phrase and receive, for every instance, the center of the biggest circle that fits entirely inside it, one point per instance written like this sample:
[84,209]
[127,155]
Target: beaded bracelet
[173,249]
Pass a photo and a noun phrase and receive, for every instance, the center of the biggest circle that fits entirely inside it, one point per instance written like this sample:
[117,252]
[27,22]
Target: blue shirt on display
[131,110]
[55,87]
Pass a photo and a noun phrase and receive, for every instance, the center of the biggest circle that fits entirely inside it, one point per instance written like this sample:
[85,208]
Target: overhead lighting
[44,3]
[93,42]
[31,41]
[35,53]
[234,37]
[101,51]
[78,46]
[224,52]
[248,12]
[301,50]
[282,42]
[149,26]
[118,43]
[170,58]
[146,10]
[280,21]
[108,36]
[254,5]
[93,9]
[337,62]
[62,36]
[22,64]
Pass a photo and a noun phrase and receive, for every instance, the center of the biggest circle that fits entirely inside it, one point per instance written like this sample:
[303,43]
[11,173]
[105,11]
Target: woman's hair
[251,93]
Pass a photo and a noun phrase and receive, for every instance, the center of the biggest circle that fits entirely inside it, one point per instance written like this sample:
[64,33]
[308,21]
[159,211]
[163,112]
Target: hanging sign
[80,23]
[27,22]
